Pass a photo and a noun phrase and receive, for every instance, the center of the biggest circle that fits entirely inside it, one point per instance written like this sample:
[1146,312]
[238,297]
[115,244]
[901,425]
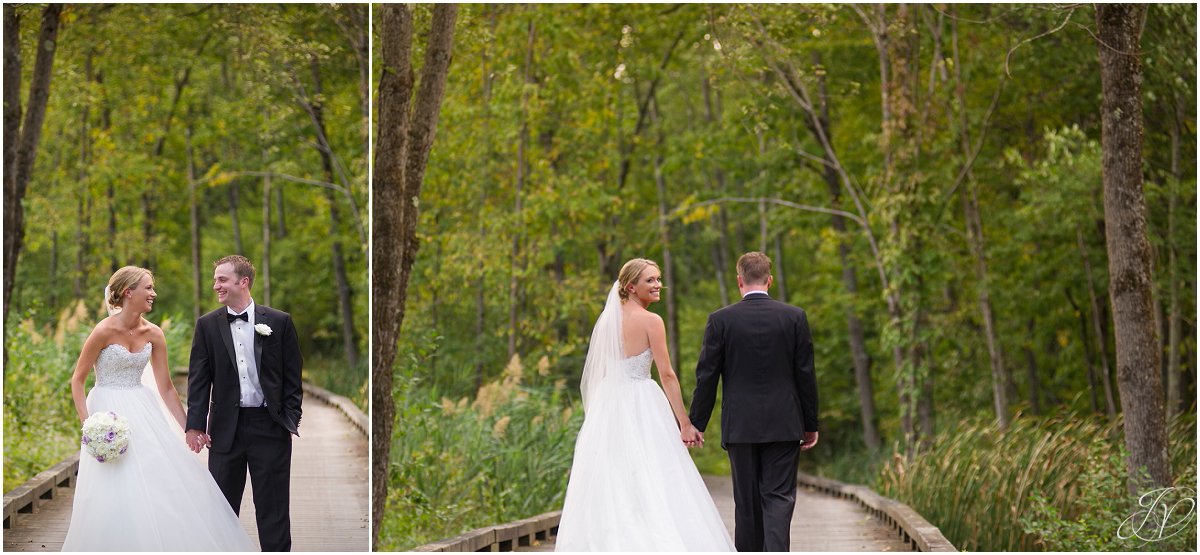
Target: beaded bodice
[638,366]
[117,367]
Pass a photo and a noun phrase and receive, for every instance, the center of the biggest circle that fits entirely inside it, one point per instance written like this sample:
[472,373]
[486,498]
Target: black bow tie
[245,317]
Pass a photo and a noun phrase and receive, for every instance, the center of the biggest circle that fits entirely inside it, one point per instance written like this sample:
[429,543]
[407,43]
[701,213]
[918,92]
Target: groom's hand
[691,436]
[197,440]
[810,441]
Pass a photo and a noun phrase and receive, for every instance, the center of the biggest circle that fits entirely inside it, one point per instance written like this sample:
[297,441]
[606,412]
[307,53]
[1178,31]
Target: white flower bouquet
[105,436]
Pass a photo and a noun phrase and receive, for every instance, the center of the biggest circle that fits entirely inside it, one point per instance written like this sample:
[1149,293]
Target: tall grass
[40,425]
[466,463]
[333,374]
[978,484]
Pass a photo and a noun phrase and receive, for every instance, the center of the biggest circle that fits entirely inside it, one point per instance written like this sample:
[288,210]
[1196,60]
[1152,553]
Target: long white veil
[605,350]
[148,378]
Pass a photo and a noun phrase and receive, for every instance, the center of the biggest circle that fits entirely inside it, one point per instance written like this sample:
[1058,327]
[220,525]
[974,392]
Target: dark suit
[762,349]
[255,438]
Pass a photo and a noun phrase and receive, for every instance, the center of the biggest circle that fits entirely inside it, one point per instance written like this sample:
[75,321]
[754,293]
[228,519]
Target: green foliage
[1106,515]
[41,427]
[466,463]
[111,183]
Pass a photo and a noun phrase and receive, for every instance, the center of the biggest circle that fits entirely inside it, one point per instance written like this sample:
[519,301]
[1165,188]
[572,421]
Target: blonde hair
[630,272]
[123,280]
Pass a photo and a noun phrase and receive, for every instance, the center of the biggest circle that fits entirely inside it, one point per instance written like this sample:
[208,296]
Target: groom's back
[766,371]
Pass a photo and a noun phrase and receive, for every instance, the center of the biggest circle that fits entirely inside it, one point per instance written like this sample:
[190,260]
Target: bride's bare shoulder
[644,319]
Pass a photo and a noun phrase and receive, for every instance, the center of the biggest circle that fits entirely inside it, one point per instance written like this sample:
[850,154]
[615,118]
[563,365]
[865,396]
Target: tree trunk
[83,211]
[1138,378]
[1001,380]
[265,263]
[900,207]
[1035,384]
[280,215]
[516,260]
[780,274]
[1088,351]
[316,110]
[194,214]
[857,338]
[486,77]
[234,220]
[664,238]
[407,125]
[21,143]
[717,182]
[1110,403]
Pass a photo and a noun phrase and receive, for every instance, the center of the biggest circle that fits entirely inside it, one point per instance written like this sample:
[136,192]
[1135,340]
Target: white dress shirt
[748,293]
[243,350]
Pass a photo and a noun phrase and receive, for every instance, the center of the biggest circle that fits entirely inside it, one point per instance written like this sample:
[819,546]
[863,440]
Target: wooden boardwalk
[821,522]
[330,492]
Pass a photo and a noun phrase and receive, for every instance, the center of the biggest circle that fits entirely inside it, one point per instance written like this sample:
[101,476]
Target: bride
[157,496]
[633,486]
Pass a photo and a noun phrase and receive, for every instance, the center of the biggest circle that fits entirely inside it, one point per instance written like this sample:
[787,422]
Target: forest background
[173,135]
[928,181]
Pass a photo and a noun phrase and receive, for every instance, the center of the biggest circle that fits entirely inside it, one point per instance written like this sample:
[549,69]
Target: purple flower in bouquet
[105,436]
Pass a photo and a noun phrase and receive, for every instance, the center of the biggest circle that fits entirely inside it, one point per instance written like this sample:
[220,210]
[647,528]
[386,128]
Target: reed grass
[459,464]
[978,484]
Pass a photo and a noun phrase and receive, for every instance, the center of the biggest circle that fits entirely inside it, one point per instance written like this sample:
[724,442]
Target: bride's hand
[691,436]
[196,440]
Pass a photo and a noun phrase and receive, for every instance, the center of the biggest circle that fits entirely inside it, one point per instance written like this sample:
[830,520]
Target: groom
[244,399]
[763,351]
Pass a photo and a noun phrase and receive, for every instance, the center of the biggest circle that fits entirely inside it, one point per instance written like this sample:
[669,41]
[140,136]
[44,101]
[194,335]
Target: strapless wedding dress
[157,496]
[633,486]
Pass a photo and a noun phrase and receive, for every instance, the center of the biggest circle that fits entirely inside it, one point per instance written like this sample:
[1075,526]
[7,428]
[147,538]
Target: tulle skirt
[157,496]
[633,486]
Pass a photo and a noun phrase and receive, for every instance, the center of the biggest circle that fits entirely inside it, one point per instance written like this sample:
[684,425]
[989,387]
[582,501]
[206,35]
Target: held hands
[691,436]
[197,440]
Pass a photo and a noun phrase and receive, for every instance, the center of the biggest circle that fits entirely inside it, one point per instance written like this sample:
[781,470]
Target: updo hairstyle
[121,281]
[630,272]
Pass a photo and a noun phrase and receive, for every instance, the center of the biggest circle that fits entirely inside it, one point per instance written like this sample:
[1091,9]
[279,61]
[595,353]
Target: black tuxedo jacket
[214,396]
[761,349]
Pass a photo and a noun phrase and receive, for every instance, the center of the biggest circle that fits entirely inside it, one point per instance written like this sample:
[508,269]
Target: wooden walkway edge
[887,525]
[913,527]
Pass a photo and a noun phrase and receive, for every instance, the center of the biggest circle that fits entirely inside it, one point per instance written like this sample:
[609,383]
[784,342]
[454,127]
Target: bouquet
[105,436]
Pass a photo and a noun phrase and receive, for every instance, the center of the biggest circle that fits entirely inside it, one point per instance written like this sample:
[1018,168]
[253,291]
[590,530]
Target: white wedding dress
[157,496]
[633,486]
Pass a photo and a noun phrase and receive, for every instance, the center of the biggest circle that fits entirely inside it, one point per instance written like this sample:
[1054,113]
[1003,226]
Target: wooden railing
[504,537]
[40,489]
[48,484]
[912,527]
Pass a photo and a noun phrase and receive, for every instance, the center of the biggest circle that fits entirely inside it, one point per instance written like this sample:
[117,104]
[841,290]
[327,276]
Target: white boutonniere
[262,329]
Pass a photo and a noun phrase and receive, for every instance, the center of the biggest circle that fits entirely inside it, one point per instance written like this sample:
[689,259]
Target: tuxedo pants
[764,494]
[263,447]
